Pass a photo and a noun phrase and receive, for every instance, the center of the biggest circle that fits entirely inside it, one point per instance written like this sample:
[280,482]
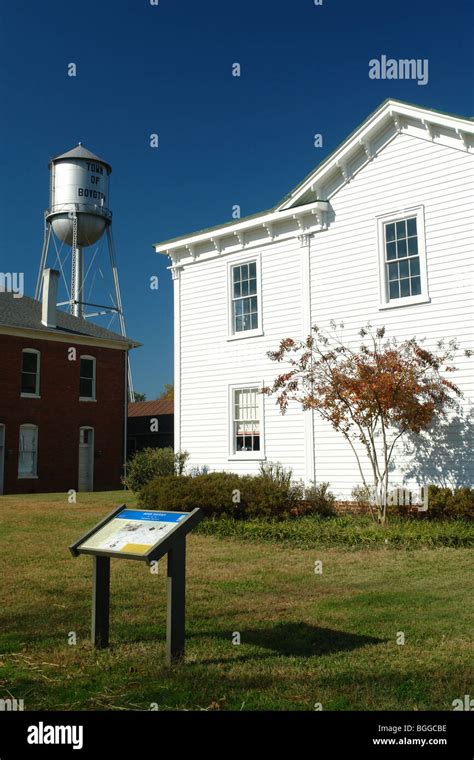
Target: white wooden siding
[408,172]
[211,363]
[345,278]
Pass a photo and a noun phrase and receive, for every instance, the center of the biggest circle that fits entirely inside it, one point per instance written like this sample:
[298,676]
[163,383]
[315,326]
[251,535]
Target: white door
[2,455]
[86,459]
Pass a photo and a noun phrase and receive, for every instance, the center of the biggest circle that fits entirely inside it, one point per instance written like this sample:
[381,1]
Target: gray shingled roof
[26,312]
[81,152]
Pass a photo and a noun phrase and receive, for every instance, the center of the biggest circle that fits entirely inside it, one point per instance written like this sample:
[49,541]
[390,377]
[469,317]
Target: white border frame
[382,220]
[235,262]
[242,456]
[38,373]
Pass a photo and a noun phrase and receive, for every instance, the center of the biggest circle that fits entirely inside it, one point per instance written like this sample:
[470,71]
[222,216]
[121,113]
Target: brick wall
[59,415]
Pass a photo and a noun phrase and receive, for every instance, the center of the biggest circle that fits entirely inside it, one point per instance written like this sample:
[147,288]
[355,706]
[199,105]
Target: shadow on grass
[294,640]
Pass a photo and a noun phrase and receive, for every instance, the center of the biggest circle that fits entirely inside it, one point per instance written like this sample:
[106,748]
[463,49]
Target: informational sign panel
[134,531]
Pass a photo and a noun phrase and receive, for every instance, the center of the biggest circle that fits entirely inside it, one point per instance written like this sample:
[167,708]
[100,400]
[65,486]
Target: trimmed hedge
[227,494]
[220,494]
[450,504]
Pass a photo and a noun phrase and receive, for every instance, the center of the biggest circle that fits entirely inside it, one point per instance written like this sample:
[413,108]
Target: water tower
[78,215]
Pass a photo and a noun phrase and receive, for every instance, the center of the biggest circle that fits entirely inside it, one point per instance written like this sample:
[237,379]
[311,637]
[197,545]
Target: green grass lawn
[306,638]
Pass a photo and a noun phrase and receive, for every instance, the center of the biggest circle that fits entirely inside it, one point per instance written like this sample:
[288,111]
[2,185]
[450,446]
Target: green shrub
[444,503]
[222,494]
[151,463]
[318,500]
[363,496]
[277,473]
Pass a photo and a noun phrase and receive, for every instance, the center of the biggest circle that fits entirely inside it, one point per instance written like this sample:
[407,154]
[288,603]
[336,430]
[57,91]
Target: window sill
[81,398]
[247,455]
[28,477]
[399,303]
[245,334]
[29,395]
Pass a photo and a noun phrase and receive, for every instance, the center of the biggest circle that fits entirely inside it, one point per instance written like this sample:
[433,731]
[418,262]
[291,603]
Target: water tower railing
[79,208]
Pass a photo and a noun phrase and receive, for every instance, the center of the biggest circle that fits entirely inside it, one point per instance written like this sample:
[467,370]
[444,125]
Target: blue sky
[166,69]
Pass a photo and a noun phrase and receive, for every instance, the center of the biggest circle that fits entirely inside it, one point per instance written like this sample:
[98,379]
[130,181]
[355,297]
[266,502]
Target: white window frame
[36,394]
[27,475]
[250,258]
[396,216]
[94,378]
[247,455]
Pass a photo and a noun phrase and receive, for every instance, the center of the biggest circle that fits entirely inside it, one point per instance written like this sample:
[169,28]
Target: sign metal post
[175,613]
[100,601]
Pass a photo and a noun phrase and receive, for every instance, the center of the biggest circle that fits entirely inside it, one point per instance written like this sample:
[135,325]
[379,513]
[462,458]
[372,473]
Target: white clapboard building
[405,174]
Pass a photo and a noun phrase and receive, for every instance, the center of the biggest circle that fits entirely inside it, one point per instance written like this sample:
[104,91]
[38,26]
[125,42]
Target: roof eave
[227,230]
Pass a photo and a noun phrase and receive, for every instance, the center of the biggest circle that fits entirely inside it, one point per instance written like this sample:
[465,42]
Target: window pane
[393,289]
[412,246]
[87,368]
[411,226]
[401,229]
[415,286]
[404,268]
[415,267]
[85,388]
[28,382]
[389,232]
[401,248]
[404,288]
[244,290]
[246,422]
[391,251]
[393,271]
[29,362]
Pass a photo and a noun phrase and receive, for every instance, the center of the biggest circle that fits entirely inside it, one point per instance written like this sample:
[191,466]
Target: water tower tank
[80,185]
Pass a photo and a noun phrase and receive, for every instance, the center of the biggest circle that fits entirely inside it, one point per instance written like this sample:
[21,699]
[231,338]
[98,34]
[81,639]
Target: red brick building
[63,399]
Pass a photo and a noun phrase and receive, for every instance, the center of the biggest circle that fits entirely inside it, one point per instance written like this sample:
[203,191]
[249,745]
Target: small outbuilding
[150,425]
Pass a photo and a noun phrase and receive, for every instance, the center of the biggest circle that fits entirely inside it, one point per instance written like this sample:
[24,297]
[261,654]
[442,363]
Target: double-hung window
[246,428]
[87,381]
[245,316]
[30,372]
[28,452]
[403,261]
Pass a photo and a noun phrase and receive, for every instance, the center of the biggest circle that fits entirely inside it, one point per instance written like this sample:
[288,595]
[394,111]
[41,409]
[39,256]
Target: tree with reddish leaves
[373,394]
